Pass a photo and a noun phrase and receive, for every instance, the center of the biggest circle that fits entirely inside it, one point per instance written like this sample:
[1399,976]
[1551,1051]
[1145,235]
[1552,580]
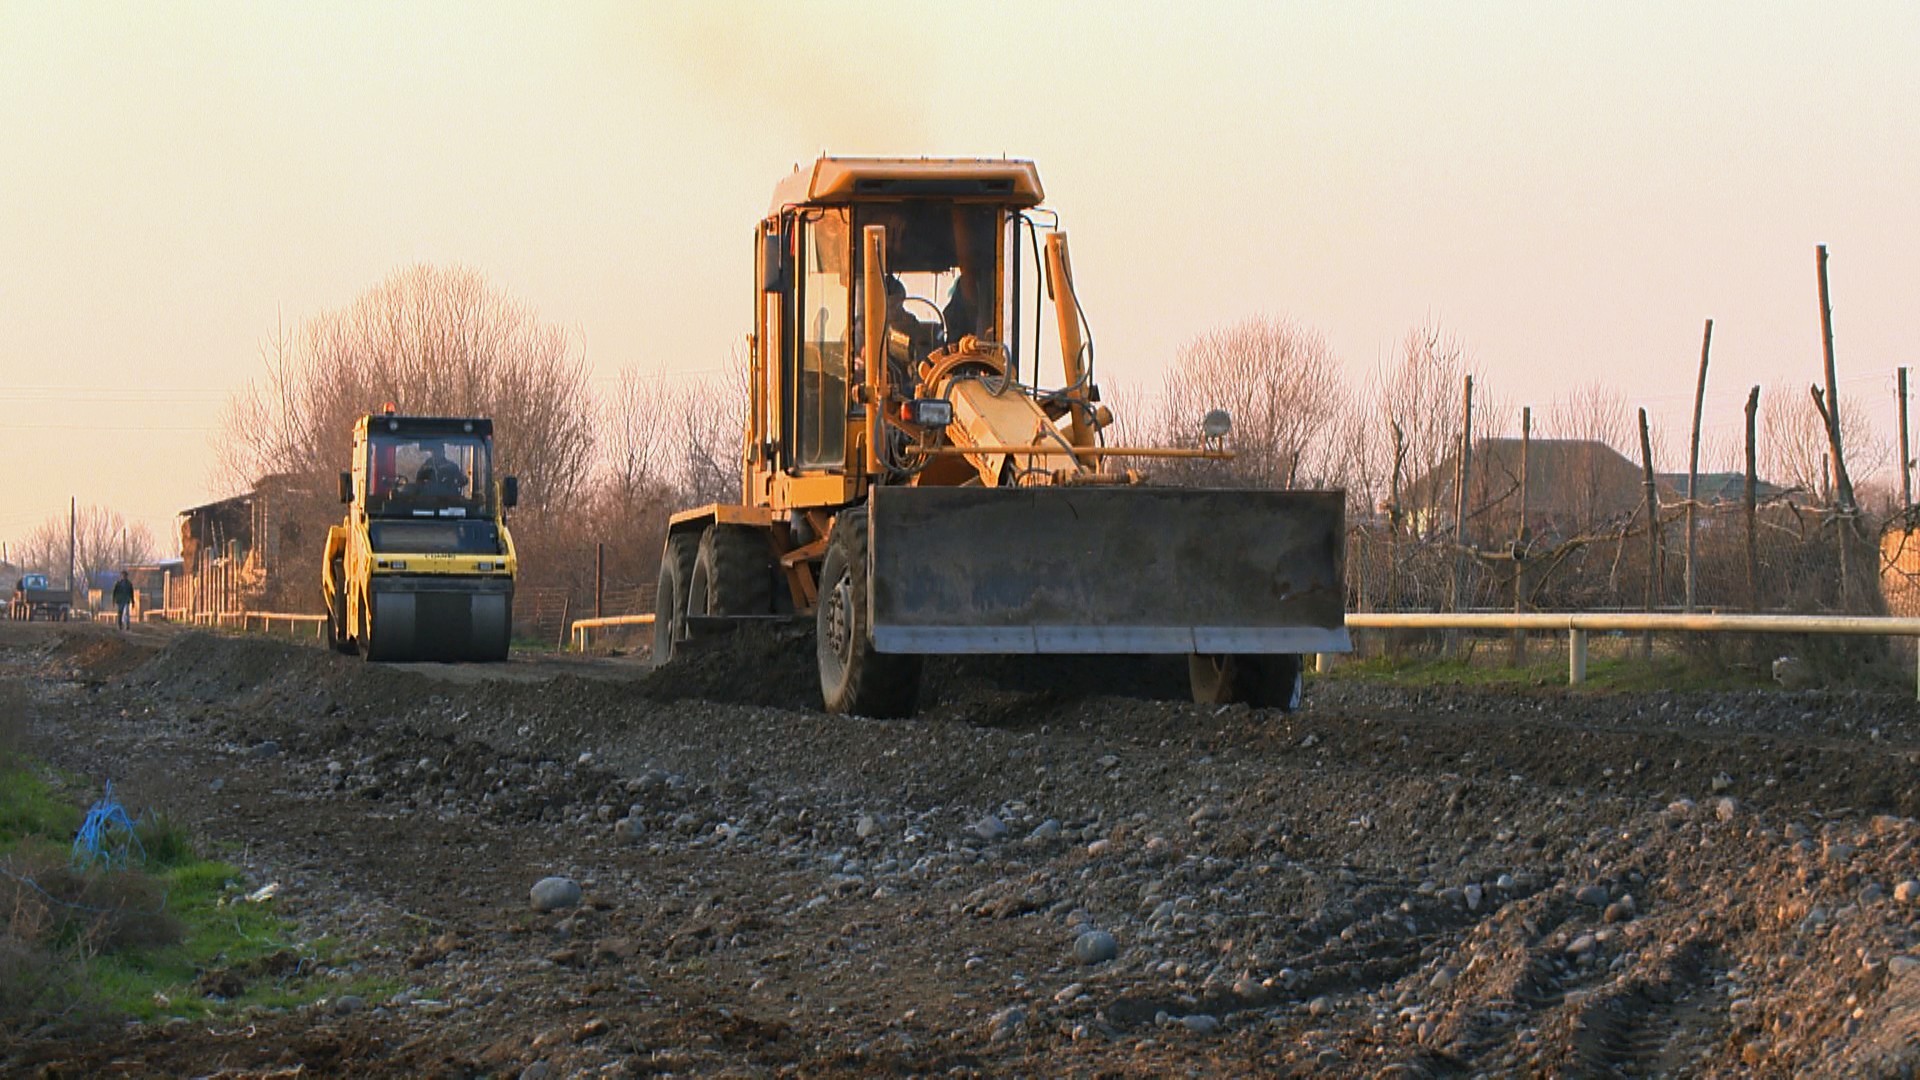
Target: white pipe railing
[241,620]
[1577,625]
[581,628]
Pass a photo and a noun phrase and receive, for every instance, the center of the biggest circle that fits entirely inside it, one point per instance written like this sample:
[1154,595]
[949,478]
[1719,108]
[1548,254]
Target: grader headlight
[928,412]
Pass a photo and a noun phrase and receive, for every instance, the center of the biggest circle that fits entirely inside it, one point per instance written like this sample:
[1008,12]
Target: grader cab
[908,482]
[423,566]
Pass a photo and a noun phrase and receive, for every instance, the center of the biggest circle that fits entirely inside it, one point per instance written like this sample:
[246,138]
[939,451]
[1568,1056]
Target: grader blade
[1106,570]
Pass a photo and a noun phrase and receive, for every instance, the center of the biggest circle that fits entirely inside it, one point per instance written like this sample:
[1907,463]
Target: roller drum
[440,619]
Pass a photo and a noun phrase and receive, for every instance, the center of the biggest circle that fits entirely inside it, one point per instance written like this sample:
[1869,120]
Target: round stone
[1095,947]
[554,893]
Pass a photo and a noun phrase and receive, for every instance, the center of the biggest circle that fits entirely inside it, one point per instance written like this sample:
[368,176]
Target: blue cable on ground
[106,835]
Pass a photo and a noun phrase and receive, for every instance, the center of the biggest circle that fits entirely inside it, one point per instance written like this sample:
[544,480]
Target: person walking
[123,597]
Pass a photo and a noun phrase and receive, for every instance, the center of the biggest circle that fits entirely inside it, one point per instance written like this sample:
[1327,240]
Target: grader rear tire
[1264,682]
[853,677]
[670,595]
[732,573]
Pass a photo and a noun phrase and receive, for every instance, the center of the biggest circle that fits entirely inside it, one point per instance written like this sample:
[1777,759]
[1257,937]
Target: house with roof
[257,549]
[1717,488]
[1572,486]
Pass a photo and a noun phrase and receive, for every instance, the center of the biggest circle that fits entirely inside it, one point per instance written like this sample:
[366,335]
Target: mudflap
[1107,570]
[441,618]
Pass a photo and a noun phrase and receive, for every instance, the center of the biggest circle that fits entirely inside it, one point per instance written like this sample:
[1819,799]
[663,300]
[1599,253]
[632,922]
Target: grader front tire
[853,677]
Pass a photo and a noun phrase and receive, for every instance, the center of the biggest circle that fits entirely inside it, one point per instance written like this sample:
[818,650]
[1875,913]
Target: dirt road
[1389,883]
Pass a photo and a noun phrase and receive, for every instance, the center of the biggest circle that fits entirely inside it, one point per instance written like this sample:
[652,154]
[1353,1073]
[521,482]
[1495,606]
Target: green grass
[30,812]
[222,931]
[138,940]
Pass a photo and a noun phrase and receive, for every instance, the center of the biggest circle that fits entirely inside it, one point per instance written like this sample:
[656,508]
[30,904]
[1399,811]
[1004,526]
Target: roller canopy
[1107,570]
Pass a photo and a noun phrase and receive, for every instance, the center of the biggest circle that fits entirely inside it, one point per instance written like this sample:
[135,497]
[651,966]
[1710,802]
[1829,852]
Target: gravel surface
[580,867]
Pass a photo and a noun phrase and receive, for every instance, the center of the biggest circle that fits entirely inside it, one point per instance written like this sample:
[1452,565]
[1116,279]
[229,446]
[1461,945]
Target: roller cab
[423,567]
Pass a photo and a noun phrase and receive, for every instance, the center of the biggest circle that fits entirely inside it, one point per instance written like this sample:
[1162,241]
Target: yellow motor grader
[908,482]
[423,566]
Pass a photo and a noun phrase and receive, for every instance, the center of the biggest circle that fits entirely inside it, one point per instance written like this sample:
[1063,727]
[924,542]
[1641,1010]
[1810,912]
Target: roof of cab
[428,425]
[838,180]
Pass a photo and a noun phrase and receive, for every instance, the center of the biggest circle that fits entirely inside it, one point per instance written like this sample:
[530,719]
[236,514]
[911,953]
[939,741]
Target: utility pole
[1906,455]
[73,523]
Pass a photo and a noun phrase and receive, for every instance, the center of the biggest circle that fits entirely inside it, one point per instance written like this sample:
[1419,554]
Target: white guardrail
[238,620]
[1577,626]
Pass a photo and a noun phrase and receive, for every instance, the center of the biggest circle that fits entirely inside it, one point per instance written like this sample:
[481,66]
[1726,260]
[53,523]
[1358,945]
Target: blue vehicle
[34,599]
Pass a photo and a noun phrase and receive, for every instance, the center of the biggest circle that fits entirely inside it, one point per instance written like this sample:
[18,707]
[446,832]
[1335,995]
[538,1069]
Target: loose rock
[554,893]
[1095,947]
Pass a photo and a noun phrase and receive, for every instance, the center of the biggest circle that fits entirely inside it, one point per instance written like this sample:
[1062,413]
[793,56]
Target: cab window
[824,333]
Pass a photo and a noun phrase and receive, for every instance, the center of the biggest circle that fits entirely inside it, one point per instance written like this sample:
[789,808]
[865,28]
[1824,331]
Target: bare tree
[1419,394]
[1591,412]
[1794,450]
[1282,386]
[712,419]
[633,491]
[638,422]
[103,540]
[434,341]
[1363,449]
[1131,405]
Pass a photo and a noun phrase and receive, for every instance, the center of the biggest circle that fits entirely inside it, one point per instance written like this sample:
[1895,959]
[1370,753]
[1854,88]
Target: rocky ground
[1048,873]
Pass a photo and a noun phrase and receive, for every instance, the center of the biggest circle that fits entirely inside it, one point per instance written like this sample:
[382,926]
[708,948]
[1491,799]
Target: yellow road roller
[423,566]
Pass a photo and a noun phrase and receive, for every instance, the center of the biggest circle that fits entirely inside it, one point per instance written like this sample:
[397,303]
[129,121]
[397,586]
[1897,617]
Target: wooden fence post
[1693,459]
[1830,412]
[1752,513]
[1653,526]
[1462,473]
[1520,537]
[1393,534]
[1393,520]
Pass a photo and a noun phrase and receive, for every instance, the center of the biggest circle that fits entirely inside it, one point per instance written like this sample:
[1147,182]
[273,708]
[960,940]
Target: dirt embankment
[1436,882]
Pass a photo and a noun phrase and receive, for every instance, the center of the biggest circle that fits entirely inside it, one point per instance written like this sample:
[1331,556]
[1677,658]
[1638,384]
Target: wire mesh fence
[1787,555]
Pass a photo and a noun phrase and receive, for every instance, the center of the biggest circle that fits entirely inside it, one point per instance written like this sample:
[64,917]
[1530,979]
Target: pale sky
[1569,189]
